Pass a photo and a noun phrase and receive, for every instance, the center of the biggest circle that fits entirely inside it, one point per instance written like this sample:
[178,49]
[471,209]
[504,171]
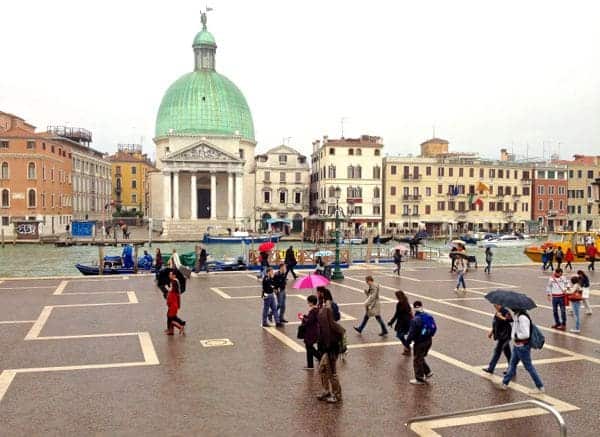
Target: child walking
[173,305]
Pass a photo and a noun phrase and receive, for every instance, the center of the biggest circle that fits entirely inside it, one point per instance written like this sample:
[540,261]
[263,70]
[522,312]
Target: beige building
[281,182]
[354,165]
[443,192]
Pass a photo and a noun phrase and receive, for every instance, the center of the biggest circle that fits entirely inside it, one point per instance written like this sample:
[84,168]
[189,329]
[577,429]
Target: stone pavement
[88,356]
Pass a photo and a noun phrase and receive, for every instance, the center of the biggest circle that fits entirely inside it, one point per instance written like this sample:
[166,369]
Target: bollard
[149,232]
[135,258]
[101,260]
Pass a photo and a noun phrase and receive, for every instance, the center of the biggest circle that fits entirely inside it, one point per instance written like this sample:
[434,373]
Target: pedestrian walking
[158,262]
[584,282]
[575,296]
[269,301]
[500,332]
[460,278]
[453,253]
[279,280]
[310,321]
[330,337]
[372,307]
[569,258]
[488,260]
[591,256]
[173,306]
[551,258]
[421,332]
[559,257]
[397,261]
[556,291]
[324,295]
[174,261]
[521,351]
[545,259]
[402,318]
[290,262]
[203,260]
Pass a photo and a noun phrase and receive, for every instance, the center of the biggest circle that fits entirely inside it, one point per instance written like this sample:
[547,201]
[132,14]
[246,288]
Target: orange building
[35,181]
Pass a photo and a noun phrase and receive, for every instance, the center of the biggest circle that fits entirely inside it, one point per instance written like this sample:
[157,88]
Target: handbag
[301,331]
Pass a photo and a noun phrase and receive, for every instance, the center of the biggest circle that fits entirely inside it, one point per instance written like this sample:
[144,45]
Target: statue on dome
[203,17]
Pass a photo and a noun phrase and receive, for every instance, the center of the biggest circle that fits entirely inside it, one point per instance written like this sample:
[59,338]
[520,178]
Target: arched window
[31,170]
[5,198]
[358,152]
[376,172]
[350,172]
[4,172]
[31,198]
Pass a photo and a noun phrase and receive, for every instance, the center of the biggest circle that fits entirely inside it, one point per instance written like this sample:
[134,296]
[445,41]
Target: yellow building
[130,178]
[451,192]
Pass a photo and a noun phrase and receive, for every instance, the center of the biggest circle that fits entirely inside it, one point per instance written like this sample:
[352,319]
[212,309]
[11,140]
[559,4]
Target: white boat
[504,241]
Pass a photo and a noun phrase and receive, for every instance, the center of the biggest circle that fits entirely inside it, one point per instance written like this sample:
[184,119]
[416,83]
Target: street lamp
[337,273]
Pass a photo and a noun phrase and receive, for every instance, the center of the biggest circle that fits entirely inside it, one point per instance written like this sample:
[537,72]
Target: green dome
[204,102]
[204,37]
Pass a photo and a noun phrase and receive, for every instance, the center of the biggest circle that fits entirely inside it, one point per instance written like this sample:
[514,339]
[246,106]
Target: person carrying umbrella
[520,333]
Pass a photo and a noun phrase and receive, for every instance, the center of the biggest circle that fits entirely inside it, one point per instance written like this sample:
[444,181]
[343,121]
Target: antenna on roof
[342,124]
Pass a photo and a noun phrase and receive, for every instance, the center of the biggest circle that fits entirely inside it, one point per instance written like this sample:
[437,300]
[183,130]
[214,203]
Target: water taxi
[578,242]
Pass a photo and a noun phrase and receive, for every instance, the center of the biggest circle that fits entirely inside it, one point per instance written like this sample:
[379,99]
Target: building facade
[281,182]
[131,178]
[583,212]
[447,192]
[549,196]
[35,180]
[355,166]
[204,151]
[91,173]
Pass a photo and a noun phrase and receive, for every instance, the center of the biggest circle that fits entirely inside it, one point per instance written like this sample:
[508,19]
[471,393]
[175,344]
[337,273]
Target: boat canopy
[285,221]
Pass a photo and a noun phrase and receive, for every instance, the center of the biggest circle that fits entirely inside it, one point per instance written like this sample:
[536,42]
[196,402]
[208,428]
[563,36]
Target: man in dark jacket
[422,345]
[279,281]
[311,331]
[203,260]
[501,328]
[330,335]
[269,301]
[290,262]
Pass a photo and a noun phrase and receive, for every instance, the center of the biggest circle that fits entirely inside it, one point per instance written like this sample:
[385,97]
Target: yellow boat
[574,240]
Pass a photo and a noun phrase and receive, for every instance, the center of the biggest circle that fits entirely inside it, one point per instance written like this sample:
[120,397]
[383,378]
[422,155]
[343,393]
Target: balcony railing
[410,177]
[411,197]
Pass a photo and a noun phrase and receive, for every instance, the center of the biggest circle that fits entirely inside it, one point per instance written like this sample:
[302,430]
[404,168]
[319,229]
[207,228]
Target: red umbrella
[265,247]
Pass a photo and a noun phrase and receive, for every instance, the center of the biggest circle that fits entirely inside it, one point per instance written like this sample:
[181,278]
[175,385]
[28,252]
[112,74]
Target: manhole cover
[216,342]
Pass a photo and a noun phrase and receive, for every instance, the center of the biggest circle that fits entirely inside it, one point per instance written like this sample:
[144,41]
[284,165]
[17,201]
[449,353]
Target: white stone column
[229,195]
[194,198]
[213,196]
[239,196]
[176,195]
[167,195]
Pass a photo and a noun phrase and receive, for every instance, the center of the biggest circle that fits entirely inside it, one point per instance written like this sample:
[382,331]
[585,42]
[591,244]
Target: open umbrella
[311,281]
[265,247]
[511,299]
[324,253]
[462,243]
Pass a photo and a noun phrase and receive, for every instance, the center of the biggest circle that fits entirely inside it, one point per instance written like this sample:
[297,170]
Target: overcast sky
[486,74]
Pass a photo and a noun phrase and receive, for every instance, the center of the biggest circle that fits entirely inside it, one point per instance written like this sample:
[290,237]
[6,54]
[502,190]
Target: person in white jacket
[556,291]
[174,261]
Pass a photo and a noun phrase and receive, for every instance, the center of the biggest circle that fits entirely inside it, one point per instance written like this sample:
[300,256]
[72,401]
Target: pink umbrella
[311,281]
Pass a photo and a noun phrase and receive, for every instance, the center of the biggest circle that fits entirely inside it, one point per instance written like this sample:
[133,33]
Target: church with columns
[204,151]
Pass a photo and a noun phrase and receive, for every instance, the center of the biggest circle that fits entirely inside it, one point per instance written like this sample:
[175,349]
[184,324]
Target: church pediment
[202,152]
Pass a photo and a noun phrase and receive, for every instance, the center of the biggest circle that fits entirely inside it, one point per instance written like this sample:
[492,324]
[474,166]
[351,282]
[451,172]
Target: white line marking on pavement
[25,288]
[11,322]
[285,339]
[408,278]
[132,297]
[6,378]
[241,286]
[61,287]
[462,298]
[72,337]
[37,327]
[148,350]
[220,292]
[542,361]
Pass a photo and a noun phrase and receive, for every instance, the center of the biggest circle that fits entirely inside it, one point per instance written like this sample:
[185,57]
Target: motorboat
[238,237]
[503,241]
[355,240]
[578,242]
[381,240]
[468,239]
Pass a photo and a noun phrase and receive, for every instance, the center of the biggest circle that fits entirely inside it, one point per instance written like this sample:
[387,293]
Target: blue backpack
[336,311]
[428,326]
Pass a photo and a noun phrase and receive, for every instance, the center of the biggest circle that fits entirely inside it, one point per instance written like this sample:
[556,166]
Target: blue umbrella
[511,299]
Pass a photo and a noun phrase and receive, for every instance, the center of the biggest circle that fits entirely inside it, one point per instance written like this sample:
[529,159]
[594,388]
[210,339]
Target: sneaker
[486,370]
[383,334]
[575,331]
[538,391]
[279,325]
[562,327]
[323,396]
[555,326]
[357,330]
[417,382]
[283,321]
[332,400]
[589,313]
[503,386]
[266,325]
[308,368]
[169,333]
[429,375]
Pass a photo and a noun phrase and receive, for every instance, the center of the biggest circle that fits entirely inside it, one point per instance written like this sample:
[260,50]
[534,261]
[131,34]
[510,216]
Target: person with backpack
[501,330]
[372,307]
[421,331]
[522,336]
[556,291]
[324,295]
[402,318]
[488,260]
[584,282]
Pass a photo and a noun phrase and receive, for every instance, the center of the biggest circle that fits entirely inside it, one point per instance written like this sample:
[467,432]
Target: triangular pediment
[202,152]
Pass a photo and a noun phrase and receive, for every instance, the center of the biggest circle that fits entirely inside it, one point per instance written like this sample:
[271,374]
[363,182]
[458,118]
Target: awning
[272,221]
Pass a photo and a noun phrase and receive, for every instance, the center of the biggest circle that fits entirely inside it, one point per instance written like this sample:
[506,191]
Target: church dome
[204,101]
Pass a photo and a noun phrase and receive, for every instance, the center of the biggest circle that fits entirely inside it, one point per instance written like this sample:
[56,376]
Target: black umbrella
[511,299]
[163,280]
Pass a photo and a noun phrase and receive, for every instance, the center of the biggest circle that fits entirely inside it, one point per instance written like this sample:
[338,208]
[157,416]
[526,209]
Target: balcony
[411,197]
[410,177]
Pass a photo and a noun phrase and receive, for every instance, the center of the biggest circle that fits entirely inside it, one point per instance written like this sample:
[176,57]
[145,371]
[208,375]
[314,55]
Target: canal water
[31,260]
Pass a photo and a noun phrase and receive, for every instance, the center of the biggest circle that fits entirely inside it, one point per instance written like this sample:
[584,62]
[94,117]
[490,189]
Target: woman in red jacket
[569,258]
[173,305]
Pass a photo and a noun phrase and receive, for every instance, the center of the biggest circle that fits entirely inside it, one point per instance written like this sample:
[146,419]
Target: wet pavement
[88,356]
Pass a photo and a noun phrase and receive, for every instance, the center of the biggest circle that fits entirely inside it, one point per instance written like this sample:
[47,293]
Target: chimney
[503,155]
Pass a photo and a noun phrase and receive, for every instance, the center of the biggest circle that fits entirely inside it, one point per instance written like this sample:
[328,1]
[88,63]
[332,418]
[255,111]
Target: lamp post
[337,273]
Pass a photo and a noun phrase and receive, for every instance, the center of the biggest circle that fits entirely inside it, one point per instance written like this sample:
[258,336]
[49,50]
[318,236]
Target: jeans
[576,305]
[281,298]
[522,353]
[269,304]
[559,301]
[419,353]
[591,266]
[461,280]
[400,335]
[311,352]
[502,345]
[378,318]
